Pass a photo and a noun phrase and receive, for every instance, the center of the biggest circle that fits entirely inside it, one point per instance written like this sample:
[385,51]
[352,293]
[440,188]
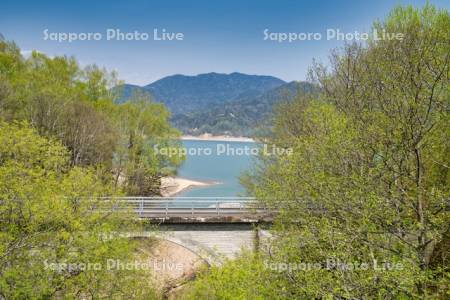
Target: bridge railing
[165,207]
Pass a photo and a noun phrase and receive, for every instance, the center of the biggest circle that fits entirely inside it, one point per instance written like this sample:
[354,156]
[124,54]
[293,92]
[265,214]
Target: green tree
[367,182]
[76,106]
[144,125]
[49,217]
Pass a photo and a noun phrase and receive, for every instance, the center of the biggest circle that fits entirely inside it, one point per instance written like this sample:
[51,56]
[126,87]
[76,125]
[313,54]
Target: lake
[216,161]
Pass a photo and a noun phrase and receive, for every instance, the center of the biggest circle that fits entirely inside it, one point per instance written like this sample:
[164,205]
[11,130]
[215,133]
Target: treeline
[76,106]
[64,144]
[363,202]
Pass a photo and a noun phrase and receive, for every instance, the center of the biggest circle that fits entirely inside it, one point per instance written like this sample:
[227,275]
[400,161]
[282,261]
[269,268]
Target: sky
[218,36]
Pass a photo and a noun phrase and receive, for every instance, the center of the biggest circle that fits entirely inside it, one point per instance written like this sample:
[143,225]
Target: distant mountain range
[232,104]
[181,93]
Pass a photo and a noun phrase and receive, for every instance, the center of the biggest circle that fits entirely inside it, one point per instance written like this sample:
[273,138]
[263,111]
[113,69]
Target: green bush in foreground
[367,185]
[48,218]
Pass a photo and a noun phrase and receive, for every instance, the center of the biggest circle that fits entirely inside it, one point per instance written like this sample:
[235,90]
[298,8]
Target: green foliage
[63,143]
[48,216]
[243,278]
[368,180]
[77,107]
[144,125]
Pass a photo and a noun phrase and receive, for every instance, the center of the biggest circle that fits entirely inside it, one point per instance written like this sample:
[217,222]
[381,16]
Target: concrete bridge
[195,209]
[212,228]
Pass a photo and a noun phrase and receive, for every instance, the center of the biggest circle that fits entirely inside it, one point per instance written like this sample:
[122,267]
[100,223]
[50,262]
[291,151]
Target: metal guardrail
[191,207]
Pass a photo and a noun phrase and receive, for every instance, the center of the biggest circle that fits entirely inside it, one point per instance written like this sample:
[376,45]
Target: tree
[367,185]
[55,237]
[76,106]
[143,125]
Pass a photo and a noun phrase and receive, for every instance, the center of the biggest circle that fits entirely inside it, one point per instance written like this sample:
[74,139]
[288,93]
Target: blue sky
[219,36]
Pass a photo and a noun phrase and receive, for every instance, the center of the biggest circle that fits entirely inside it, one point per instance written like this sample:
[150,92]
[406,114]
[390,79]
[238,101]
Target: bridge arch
[212,242]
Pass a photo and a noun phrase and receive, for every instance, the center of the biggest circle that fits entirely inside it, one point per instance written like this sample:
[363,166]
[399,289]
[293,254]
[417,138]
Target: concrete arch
[207,259]
[214,247]
[213,243]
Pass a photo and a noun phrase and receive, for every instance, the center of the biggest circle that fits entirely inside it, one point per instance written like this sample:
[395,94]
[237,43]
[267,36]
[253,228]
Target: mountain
[181,93]
[245,116]
[233,104]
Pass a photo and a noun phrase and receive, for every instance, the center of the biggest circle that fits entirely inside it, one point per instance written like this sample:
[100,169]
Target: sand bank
[218,138]
[171,186]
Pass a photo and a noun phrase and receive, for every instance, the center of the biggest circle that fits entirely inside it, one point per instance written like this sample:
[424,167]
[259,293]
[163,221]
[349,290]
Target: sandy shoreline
[170,186]
[218,138]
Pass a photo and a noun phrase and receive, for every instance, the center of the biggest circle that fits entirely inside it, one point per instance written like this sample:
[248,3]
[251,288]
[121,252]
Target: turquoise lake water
[216,161]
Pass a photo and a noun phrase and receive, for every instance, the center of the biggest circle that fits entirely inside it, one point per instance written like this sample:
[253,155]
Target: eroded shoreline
[217,138]
[171,186]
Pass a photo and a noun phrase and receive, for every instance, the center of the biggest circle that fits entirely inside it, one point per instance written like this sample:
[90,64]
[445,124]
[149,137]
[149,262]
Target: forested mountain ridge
[231,104]
[182,93]
[245,116]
